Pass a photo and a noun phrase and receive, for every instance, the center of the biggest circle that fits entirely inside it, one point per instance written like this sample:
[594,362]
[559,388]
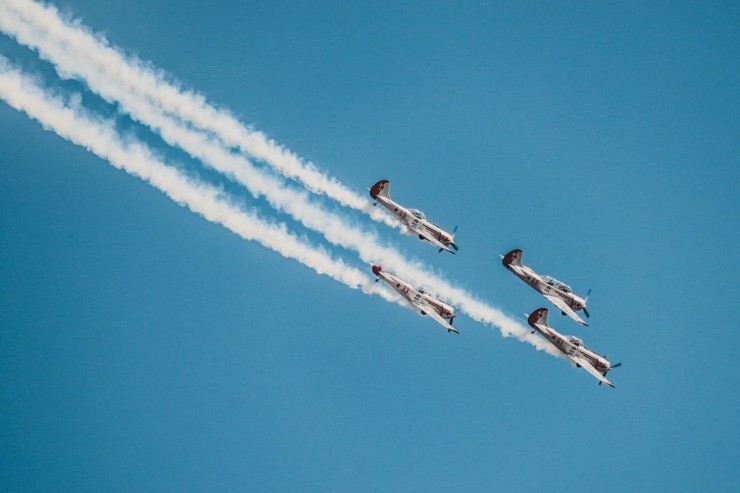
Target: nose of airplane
[376,269]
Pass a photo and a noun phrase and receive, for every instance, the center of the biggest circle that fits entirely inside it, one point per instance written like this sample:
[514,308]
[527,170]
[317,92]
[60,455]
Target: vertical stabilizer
[539,316]
[381,189]
[513,258]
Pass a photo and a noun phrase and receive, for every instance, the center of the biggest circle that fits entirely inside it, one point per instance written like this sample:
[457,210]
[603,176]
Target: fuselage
[569,345]
[573,346]
[546,286]
[415,221]
[415,296]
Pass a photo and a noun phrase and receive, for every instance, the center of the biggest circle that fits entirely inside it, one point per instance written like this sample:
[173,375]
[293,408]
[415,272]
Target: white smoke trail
[99,137]
[140,79]
[72,57]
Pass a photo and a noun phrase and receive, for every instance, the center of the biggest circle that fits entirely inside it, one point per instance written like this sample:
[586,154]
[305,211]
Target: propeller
[585,300]
[617,365]
[452,243]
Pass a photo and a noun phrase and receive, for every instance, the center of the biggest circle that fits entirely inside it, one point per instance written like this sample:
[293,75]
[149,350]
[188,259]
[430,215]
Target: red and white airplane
[413,219]
[558,293]
[441,312]
[573,347]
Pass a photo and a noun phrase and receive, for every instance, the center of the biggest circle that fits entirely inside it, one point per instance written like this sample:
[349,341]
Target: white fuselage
[567,345]
[538,284]
[416,296]
[415,224]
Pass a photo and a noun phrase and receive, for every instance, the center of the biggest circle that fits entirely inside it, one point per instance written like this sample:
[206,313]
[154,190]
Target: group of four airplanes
[558,293]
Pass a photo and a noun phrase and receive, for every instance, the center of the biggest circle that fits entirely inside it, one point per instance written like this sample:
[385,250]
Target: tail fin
[539,316]
[514,258]
[382,188]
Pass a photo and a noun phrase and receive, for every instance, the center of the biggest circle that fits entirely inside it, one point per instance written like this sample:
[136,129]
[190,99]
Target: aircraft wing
[429,310]
[583,363]
[563,306]
[430,238]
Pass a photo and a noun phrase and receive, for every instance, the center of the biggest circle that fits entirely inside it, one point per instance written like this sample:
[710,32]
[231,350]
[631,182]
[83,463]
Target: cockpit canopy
[551,281]
[575,341]
[417,214]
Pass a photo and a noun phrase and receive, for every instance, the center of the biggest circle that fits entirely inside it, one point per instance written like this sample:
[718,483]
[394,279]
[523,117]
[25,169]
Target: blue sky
[143,348]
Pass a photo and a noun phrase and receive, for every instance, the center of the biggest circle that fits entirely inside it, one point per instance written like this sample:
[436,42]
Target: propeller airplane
[414,220]
[442,313]
[558,293]
[572,347]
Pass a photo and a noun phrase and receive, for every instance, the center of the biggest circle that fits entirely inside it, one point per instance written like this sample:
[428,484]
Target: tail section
[382,189]
[514,258]
[539,317]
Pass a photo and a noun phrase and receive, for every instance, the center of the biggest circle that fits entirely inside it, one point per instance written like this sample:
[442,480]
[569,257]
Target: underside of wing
[563,306]
[583,363]
[432,312]
[431,239]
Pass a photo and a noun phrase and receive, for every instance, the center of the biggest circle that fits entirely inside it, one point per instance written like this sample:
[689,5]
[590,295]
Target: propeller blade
[616,365]
[454,230]
[585,312]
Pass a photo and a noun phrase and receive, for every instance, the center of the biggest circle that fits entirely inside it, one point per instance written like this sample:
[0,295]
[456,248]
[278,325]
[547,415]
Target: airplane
[441,312]
[573,347]
[414,220]
[558,293]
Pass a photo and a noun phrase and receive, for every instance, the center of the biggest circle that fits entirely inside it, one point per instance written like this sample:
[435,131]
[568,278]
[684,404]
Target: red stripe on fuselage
[437,234]
[437,306]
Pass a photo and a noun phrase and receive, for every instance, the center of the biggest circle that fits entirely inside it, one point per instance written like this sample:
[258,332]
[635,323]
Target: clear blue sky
[145,349]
